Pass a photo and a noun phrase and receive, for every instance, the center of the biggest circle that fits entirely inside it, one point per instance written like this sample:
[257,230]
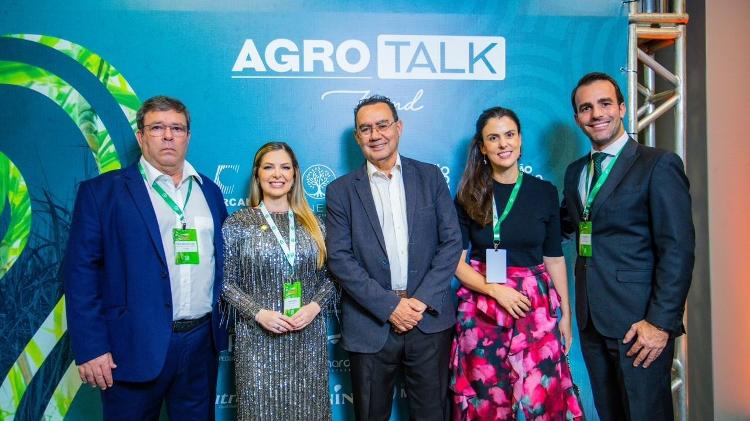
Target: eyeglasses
[156,130]
[381,126]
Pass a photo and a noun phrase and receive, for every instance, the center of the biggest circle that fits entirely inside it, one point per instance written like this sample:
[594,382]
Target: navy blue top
[531,230]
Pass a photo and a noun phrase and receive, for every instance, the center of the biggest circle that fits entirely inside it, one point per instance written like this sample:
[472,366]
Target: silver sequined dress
[278,377]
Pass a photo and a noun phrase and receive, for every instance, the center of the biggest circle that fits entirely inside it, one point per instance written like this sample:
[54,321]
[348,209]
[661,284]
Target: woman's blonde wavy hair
[296,196]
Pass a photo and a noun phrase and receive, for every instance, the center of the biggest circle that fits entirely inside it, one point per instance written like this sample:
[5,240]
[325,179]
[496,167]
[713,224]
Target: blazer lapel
[215,216]
[622,166]
[138,192]
[409,175]
[362,187]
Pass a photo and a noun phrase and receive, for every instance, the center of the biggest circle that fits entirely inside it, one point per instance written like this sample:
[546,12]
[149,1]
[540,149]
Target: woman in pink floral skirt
[509,350]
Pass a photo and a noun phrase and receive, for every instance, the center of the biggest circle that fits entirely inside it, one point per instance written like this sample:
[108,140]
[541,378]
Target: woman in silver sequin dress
[281,362]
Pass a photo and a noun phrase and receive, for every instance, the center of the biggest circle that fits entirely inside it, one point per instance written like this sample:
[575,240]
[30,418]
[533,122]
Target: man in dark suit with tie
[142,277]
[630,207]
[393,243]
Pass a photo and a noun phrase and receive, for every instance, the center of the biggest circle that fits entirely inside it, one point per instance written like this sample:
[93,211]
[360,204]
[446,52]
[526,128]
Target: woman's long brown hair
[475,190]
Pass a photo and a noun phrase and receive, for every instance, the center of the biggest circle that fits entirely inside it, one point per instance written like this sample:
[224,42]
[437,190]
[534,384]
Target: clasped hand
[407,314]
[278,323]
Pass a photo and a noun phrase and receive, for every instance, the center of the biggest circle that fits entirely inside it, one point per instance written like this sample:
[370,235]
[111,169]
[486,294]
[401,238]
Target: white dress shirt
[585,178]
[191,285]
[390,203]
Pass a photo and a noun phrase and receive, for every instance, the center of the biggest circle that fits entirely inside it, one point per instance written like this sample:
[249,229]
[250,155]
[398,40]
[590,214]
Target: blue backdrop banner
[72,75]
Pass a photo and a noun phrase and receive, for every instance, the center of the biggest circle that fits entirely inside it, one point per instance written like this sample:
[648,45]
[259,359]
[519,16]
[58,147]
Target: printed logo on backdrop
[226,189]
[528,169]
[446,171]
[412,104]
[339,365]
[334,339]
[441,57]
[340,386]
[425,57]
[226,401]
[228,354]
[226,177]
[226,396]
[315,179]
[340,397]
[338,359]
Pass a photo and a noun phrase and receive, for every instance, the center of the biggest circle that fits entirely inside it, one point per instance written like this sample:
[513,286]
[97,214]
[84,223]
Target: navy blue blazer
[643,242]
[358,259]
[117,290]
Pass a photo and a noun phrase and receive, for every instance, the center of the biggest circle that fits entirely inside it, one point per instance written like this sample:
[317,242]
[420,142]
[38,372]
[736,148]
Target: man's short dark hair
[375,99]
[161,103]
[591,78]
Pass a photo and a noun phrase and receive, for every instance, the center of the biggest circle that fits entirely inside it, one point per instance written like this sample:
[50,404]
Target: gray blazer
[358,259]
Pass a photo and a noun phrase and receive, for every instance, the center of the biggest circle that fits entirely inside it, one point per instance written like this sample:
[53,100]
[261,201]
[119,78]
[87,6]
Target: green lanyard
[169,201]
[599,183]
[511,200]
[289,251]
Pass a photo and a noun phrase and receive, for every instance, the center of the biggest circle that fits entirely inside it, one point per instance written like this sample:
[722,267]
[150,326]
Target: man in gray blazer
[393,243]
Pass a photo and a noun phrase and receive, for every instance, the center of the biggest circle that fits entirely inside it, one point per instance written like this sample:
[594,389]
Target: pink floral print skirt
[499,364]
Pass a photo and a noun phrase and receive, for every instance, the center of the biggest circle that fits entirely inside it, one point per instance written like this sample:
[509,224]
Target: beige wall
[728,114]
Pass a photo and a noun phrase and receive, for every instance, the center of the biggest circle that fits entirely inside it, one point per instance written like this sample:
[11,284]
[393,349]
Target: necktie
[597,158]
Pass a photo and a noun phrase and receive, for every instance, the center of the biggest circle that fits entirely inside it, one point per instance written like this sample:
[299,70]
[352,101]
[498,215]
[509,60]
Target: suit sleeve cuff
[385,315]
[433,303]
[660,325]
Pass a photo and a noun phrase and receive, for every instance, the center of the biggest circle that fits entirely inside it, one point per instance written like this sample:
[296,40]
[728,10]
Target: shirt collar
[152,174]
[614,148]
[372,169]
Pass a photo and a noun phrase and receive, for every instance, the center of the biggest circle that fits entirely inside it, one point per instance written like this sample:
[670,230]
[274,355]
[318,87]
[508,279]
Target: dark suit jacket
[117,289]
[358,259]
[643,242]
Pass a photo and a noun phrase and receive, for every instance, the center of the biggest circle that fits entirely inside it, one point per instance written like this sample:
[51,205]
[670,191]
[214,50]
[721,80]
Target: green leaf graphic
[13,186]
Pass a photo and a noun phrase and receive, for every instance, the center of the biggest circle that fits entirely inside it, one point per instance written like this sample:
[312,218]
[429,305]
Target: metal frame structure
[659,26]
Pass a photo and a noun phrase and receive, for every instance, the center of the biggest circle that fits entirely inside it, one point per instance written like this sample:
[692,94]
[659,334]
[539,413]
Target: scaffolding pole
[659,26]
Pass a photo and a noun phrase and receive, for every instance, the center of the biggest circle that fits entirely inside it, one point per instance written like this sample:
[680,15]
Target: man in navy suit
[630,206]
[393,243]
[142,276]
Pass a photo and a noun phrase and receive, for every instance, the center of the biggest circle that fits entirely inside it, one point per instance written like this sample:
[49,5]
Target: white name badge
[497,270]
